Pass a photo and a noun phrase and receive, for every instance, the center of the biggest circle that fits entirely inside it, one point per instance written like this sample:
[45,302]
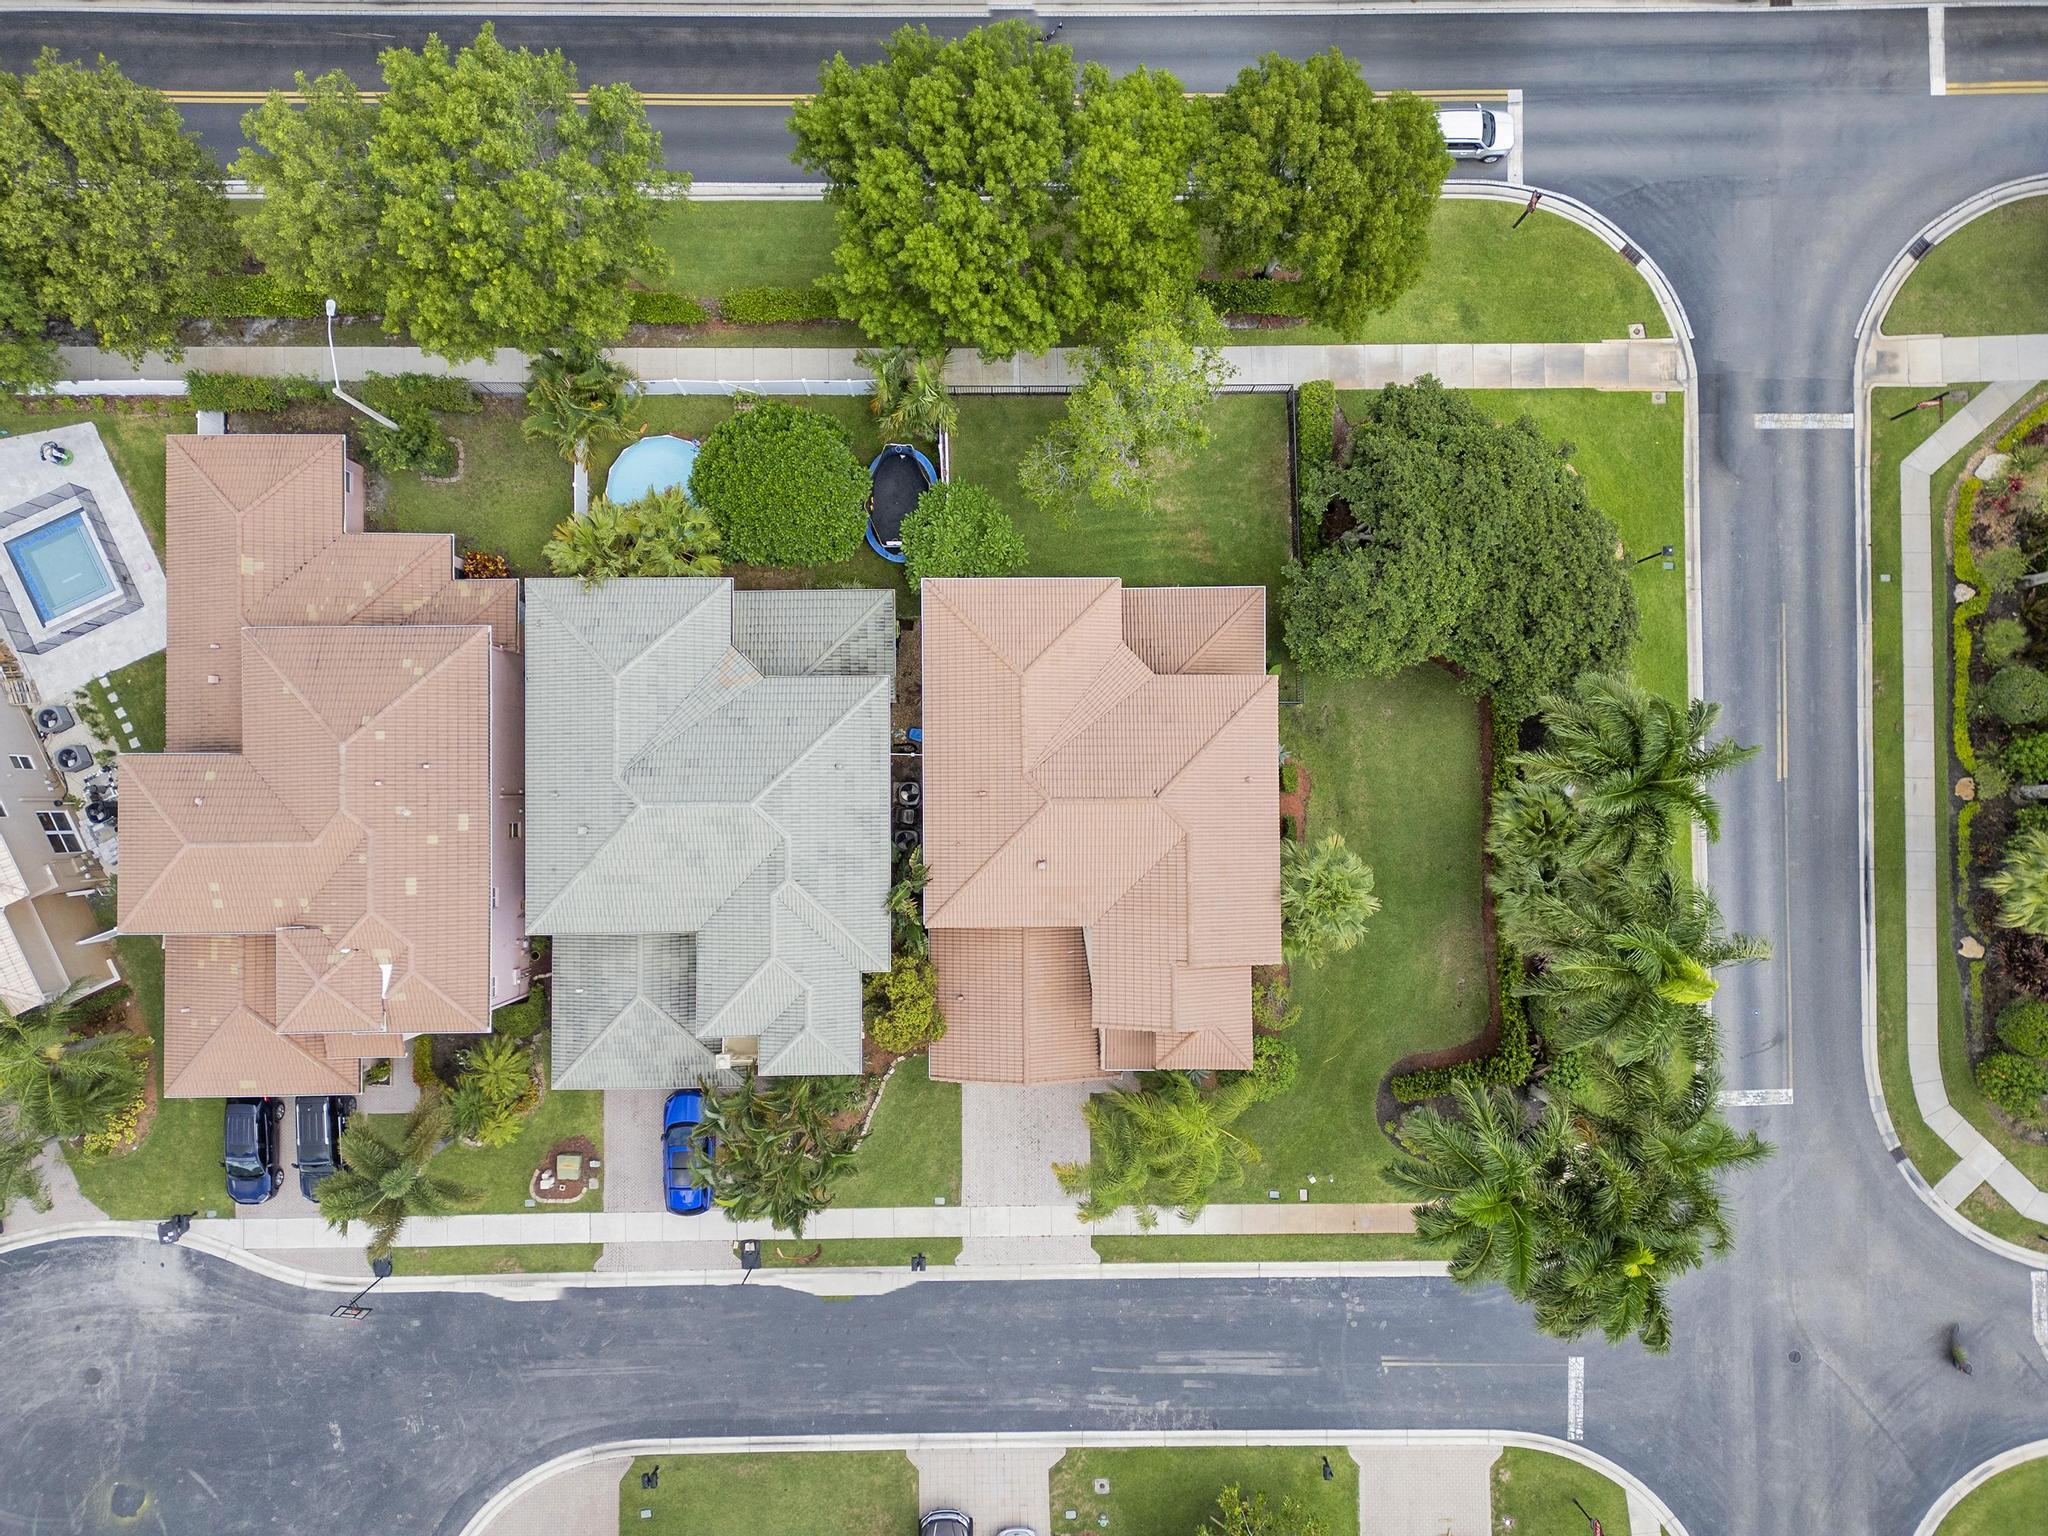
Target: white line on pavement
[1751,1098]
[2040,1280]
[1807,421]
[1937,51]
[1575,1397]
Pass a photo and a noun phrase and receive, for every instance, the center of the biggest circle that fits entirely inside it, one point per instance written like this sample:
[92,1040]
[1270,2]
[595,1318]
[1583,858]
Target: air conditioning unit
[722,1061]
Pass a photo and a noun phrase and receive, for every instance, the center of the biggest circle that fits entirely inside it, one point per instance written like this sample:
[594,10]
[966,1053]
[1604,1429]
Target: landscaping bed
[1168,1490]
[1533,1493]
[815,1493]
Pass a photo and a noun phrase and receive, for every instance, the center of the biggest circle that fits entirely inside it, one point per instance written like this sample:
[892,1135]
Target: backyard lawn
[2008,1504]
[912,1152]
[139,689]
[1989,278]
[1534,1490]
[819,1493]
[134,440]
[1171,1490]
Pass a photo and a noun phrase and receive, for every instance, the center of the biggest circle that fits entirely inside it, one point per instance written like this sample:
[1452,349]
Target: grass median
[1989,278]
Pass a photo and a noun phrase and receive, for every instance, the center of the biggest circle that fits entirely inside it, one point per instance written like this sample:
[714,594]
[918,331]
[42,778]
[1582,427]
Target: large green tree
[111,215]
[384,1181]
[1474,544]
[479,205]
[960,529]
[1167,1143]
[1304,169]
[62,1083]
[779,1147]
[28,358]
[1133,229]
[782,485]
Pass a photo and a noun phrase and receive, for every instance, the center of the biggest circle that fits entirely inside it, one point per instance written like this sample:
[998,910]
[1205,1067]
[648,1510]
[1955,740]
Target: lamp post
[1655,554]
[342,394]
[351,1309]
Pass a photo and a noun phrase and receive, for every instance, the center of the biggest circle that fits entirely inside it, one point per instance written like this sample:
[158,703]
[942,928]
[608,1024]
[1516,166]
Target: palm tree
[383,1182]
[910,399]
[779,1147]
[661,534]
[62,1083]
[1326,898]
[1486,1177]
[1635,764]
[1168,1143]
[20,1179]
[501,1068]
[2021,883]
[906,913]
[576,396]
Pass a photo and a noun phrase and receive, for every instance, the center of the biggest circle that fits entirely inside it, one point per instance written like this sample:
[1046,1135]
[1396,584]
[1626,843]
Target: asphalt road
[1772,162]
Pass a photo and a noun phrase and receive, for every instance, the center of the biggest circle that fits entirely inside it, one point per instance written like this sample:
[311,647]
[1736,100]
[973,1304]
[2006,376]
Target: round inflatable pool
[649,465]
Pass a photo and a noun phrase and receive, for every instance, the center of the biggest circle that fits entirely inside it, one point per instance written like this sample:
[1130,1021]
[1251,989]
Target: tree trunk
[581,483]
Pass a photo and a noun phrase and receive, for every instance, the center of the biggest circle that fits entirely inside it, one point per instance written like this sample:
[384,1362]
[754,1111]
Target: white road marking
[1575,1397]
[2040,1280]
[1804,421]
[1752,1098]
[1937,51]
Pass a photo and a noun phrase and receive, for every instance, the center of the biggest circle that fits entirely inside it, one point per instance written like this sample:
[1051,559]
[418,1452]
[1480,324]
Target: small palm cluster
[780,1146]
[1326,898]
[494,1093]
[58,1083]
[382,1181]
[1588,1210]
[661,534]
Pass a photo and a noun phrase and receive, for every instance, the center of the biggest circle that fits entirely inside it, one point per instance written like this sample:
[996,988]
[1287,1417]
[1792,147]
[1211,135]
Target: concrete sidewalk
[1932,361]
[1613,365]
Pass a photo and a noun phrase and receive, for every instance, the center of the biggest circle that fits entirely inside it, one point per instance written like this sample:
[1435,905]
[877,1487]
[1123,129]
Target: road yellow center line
[1997,88]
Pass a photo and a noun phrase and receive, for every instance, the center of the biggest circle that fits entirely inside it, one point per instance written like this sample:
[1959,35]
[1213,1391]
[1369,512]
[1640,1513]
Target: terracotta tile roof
[316,845]
[1101,823]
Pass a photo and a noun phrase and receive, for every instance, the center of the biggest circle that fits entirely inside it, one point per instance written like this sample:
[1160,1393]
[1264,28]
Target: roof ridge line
[669,728]
[874,687]
[1215,634]
[1221,726]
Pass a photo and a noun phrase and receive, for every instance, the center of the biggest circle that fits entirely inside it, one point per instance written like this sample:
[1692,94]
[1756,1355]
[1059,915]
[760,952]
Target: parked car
[1476,133]
[683,1146]
[249,1150]
[945,1522]
[316,1151]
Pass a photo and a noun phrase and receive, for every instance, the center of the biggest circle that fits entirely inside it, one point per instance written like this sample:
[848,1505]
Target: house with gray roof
[707,830]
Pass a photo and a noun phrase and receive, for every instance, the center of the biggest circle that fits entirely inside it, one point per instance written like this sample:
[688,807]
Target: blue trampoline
[651,464]
[901,475]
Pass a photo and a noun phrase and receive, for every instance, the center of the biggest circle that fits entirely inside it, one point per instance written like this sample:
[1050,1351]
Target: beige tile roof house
[329,846]
[1101,821]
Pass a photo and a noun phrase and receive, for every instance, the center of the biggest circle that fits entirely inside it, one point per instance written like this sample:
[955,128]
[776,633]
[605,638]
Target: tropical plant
[1634,765]
[2024,1026]
[661,534]
[502,1068]
[782,486]
[910,398]
[1326,898]
[906,913]
[2017,694]
[779,1147]
[468,1107]
[958,529]
[20,1179]
[383,1182]
[575,396]
[1276,1064]
[2013,1082]
[1274,1010]
[2001,567]
[2021,883]
[63,1084]
[904,1007]
[2004,639]
[1237,1515]
[1167,1142]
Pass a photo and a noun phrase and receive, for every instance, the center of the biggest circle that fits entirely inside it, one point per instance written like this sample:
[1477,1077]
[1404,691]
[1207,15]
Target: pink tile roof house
[329,845]
[1101,823]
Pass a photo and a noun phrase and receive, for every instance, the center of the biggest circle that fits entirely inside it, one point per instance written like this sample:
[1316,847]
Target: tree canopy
[1475,544]
[1307,170]
[960,529]
[111,215]
[782,486]
[479,204]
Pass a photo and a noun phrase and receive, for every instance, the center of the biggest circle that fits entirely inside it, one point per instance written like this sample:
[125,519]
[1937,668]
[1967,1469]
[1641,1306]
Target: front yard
[811,1493]
[911,1155]
[1172,1490]
[1989,278]
[1533,1493]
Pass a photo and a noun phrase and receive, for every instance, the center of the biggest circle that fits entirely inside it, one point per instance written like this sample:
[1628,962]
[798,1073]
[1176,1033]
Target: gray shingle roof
[707,768]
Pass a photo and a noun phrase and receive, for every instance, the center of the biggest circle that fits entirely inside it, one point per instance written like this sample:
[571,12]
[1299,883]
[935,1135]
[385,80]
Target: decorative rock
[1964,591]
[1991,464]
[1966,788]
[1971,948]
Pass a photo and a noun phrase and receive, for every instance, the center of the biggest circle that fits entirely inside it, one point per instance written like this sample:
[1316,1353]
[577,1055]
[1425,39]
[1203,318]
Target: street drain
[1795,1357]
[127,1501]
[92,1375]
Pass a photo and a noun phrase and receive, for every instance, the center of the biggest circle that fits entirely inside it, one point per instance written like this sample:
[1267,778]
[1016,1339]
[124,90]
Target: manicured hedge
[777,306]
[392,393]
[1315,409]
[1257,296]
[260,296]
[666,309]
[782,485]
[248,392]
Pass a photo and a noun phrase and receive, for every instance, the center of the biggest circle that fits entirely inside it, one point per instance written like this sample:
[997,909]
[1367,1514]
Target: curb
[526,1482]
[1976,1478]
[1869,327]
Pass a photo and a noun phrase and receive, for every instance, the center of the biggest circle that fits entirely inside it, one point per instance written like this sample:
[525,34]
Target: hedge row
[1257,296]
[260,297]
[777,306]
[1315,452]
[654,308]
[245,392]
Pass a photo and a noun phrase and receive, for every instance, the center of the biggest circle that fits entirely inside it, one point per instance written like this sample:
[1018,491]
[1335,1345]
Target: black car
[945,1522]
[249,1151]
[316,1152]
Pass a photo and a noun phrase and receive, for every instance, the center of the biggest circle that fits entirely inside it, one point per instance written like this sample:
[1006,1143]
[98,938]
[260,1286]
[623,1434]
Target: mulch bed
[566,1191]
[1296,804]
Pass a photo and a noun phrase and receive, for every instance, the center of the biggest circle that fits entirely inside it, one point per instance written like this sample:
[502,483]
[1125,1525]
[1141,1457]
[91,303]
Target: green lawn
[177,1167]
[1222,517]
[1535,1490]
[822,1493]
[865,1252]
[1171,1490]
[2009,1504]
[134,440]
[912,1152]
[1355,1248]
[502,1259]
[1989,278]
[139,689]
[1395,768]
[715,246]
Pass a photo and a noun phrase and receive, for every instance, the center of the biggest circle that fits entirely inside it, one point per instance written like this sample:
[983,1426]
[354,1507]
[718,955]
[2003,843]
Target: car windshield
[678,1135]
[1485,130]
[244,1168]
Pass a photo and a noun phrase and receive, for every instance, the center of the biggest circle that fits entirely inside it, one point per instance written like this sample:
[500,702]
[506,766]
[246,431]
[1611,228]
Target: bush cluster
[2013,1082]
[904,1007]
[1315,431]
[958,529]
[1258,296]
[248,392]
[782,486]
[2026,758]
[484,565]
[777,305]
[2024,1026]
[259,296]
[417,443]
[652,307]
[119,1130]
[2016,694]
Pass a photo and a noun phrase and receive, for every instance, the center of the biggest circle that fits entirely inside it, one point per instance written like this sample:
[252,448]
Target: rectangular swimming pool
[60,565]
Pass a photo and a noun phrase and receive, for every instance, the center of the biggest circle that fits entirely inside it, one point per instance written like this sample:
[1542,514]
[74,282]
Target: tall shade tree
[1326,898]
[2021,883]
[316,224]
[1635,764]
[384,1182]
[111,215]
[1305,169]
[1168,1143]
[1134,233]
[62,1083]
[1142,406]
[941,160]
[28,358]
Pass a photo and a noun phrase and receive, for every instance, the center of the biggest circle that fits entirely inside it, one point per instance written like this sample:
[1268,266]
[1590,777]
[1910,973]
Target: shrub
[777,306]
[2032,818]
[2026,758]
[782,486]
[2001,568]
[246,392]
[2024,1026]
[2014,1083]
[259,296]
[960,530]
[392,393]
[1287,829]
[906,1004]
[2023,958]
[2018,695]
[117,1132]
[665,309]
[1257,296]
[1273,1009]
[2003,640]
[2021,884]
[661,534]
[1992,780]
[1315,422]
[1275,1065]
[484,565]
[1290,778]
[418,443]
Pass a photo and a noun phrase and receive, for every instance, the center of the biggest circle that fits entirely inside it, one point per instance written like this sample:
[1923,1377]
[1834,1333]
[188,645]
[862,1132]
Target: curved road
[1772,162]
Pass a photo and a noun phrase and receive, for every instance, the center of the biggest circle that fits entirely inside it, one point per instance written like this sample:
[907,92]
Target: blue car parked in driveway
[249,1149]
[683,1147]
